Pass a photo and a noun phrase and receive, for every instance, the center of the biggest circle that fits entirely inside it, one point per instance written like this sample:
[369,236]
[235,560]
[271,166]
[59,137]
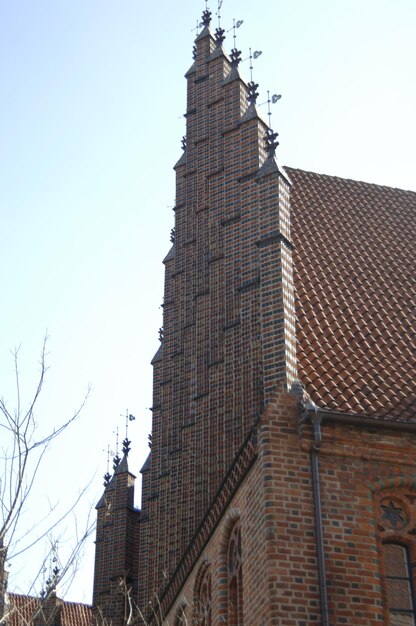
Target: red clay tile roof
[76,614]
[355,279]
[71,613]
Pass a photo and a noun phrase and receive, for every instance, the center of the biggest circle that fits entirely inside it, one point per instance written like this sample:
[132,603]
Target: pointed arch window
[204,601]
[399,584]
[235,577]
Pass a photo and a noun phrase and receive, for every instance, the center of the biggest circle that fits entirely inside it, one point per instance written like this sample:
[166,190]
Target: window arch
[395,510]
[235,577]
[399,584]
[203,597]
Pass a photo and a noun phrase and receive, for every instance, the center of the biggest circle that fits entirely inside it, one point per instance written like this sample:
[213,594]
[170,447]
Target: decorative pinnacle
[270,142]
[252,92]
[126,446]
[183,143]
[219,36]
[194,51]
[206,18]
[107,478]
[116,461]
[235,57]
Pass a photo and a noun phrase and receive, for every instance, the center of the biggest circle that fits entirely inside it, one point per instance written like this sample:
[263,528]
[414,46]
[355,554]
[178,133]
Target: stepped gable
[356,291]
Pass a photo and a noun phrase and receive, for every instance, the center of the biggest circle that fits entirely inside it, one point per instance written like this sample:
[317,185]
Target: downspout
[319,532]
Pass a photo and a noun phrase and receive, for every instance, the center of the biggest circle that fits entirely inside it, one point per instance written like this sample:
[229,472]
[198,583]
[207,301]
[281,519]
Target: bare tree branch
[22,455]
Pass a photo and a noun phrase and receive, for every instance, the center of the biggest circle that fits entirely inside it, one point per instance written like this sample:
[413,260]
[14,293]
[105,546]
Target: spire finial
[219,36]
[235,26]
[235,57]
[54,571]
[126,441]
[107,475]
[219,12]
[206,17]
[254,56]
[116,459]
[126,446]
[270,142]
[252,92]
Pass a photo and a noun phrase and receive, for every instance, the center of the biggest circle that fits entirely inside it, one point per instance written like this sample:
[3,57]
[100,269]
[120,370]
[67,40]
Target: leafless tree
[22,452]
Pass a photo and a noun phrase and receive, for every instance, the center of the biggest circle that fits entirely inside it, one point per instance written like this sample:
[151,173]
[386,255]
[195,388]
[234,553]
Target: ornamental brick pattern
[228,328]
[284,394]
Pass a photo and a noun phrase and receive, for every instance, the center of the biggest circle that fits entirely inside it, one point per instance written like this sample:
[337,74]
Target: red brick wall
[360,470]
[228,311]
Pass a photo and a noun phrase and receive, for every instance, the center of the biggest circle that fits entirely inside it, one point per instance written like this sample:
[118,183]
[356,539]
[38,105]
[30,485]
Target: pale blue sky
[91,102]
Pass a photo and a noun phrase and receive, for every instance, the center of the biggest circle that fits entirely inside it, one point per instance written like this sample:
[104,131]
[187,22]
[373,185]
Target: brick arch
[394,482]
[230,519]
[204,566]
[394,502]
[202,595]
[232,516]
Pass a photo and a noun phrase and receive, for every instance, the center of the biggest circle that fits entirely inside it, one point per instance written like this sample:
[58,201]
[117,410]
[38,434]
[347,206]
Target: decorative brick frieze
[236,474]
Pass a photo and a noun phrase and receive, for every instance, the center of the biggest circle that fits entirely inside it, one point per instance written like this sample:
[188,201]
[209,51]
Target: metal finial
[172,235]
[126,443]
[219,36]
[126,446]
[116,459]
[161,334]
[194,53]
[270,142]
[251,56]
[269,113]
[270,101]
[107,478]
[183,141]
[219,12]
[252,92]
[235,26]
[206,18]
[149,441]
[54,571]
[107,475]
[235,57]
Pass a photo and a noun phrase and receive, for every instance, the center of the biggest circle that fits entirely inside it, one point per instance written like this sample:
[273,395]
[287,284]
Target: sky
[92,97]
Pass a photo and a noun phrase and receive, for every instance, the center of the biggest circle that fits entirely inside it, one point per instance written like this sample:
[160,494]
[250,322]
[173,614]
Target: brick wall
[225,343]
[362,471]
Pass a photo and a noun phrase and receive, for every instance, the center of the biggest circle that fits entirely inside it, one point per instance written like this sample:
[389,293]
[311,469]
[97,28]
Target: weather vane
[252,57]
[107,475]
[219,12]
[236,24]
[275,97]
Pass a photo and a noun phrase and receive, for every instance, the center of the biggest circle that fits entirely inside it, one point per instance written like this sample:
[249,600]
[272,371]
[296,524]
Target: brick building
[281,486]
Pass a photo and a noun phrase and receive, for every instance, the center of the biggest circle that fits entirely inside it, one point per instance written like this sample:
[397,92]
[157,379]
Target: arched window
[399,585]
[235,577]
[203,601]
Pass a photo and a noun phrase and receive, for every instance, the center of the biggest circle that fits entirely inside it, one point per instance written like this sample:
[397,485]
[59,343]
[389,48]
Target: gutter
[316,419]
[357,420]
